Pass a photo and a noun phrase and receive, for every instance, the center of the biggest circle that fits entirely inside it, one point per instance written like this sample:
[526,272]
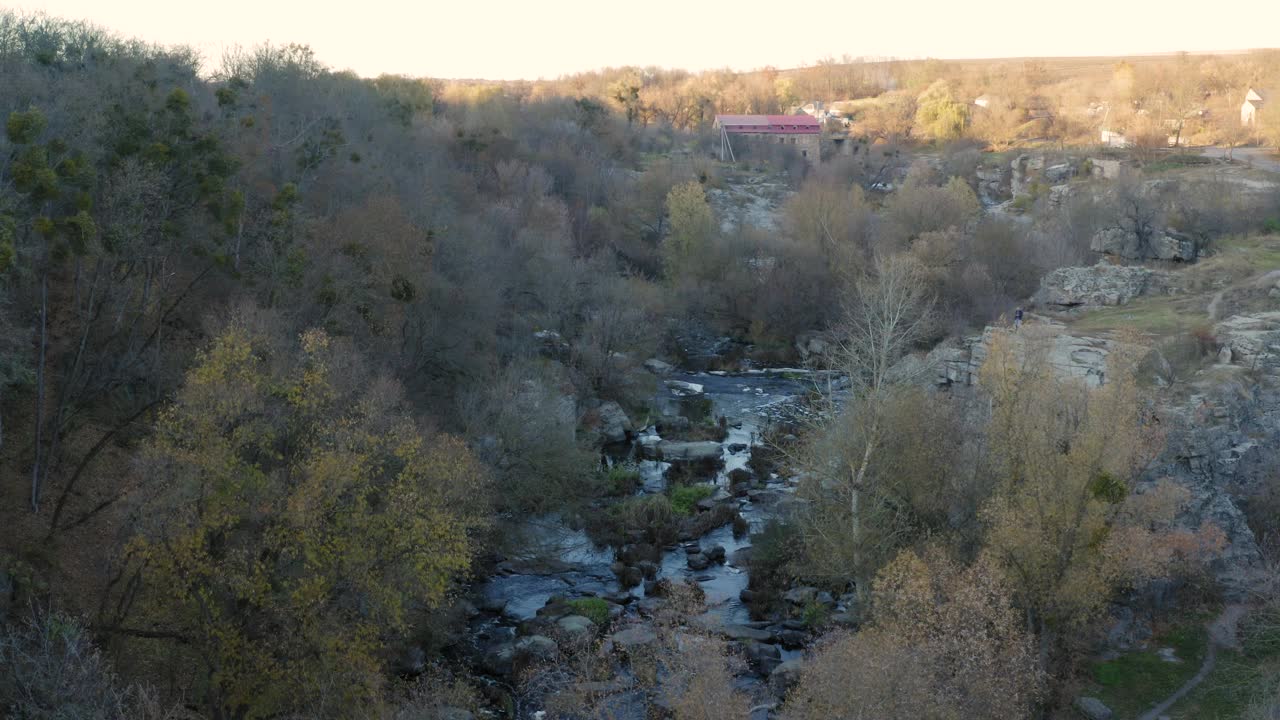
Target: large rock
[1120,242]
[658,367]
[1253,340]
[1069,355]
[690,452]
[681,388]
[610,422]
[764,658]
[1101,284]
[576,626]
[785,676]
[698,561]
[634,637]
[1092,708]
[536,649]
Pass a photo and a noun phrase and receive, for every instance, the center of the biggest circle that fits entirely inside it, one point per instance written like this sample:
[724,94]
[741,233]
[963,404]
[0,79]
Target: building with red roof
[803,131]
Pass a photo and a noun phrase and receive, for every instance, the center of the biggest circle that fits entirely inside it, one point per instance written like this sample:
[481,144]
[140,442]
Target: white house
[1253,102]
[982,101]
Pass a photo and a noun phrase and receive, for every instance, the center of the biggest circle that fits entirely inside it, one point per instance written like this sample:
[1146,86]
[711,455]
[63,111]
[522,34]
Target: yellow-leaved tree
[685,251]
[944,642]
[1065,520]
[295,519]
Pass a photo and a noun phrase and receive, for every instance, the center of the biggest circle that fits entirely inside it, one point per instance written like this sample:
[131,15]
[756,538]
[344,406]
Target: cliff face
[1222,441]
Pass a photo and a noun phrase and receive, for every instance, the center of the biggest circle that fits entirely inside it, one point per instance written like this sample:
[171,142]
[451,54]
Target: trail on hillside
[1222,633]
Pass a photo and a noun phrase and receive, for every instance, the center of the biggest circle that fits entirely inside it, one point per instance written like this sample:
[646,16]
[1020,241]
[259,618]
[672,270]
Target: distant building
[803,131]
[1254,100]
[982,101]
[1114,139]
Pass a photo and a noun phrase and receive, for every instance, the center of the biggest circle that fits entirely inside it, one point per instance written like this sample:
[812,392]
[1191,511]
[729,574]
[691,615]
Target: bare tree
[888,314]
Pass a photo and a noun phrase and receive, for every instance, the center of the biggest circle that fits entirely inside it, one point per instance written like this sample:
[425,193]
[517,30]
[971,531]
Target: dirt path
[1222,633]
[1261,158]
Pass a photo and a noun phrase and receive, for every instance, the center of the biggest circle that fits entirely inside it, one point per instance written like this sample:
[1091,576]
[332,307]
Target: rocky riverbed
[573,590]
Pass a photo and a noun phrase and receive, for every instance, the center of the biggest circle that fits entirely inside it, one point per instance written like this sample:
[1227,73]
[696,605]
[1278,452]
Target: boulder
[680,388]
[658,367]
[764,658]
[715,553]
[1092,708]
[792,639]
[576,627]
[634,637]
[630,576]
[785,676]
[611,422]
[698,561]
[497,659]
[673,424]
[536,649]
[1101,284]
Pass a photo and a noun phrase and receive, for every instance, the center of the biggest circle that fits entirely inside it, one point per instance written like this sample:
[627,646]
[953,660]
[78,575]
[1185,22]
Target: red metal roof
[769,123]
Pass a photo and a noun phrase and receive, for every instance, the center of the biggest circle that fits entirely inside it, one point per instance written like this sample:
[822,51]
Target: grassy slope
[1236,263]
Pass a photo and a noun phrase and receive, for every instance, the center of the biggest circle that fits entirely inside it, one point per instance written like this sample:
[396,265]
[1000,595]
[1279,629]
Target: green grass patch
[1261,251]
[1240,677]
[1160,316]
[1134,682]
[594,609]
[621,480]
[1176,162]
[686,497]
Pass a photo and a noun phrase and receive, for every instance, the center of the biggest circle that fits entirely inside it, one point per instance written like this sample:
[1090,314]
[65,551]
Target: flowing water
[748,401]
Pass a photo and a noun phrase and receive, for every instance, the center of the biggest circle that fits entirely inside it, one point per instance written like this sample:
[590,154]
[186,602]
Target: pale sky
[512,39]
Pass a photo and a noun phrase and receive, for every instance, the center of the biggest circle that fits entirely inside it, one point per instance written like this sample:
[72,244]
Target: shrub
[621,480]
[53,670]
[594,609]
[685,499]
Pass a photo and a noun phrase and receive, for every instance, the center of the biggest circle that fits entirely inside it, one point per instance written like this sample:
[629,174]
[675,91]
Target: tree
[919,207]
[944,641]
[887,315]
[920,480]
[939,115]
[1064,520]
[692,227]
[833,218]
[294,517]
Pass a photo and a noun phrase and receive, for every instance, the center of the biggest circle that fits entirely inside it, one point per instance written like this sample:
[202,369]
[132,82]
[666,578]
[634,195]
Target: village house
[1254,100]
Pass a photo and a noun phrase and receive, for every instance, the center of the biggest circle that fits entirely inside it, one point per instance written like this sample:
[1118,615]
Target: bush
[621,480]
[685,499]
[594,609]
[53,670]
[649,516]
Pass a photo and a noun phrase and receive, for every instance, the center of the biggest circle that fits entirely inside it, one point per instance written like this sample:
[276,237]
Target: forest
[306,378]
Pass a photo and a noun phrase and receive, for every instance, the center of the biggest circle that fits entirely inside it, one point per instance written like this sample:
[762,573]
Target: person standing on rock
[1017,319]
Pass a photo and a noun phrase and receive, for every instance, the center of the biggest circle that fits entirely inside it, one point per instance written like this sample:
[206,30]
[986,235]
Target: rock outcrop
[1215,448]
[1101,284]
[1127,244]
[1252,340]
[1071,356]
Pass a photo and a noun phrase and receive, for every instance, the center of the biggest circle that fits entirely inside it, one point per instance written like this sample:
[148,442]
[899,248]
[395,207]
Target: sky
[530,39]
